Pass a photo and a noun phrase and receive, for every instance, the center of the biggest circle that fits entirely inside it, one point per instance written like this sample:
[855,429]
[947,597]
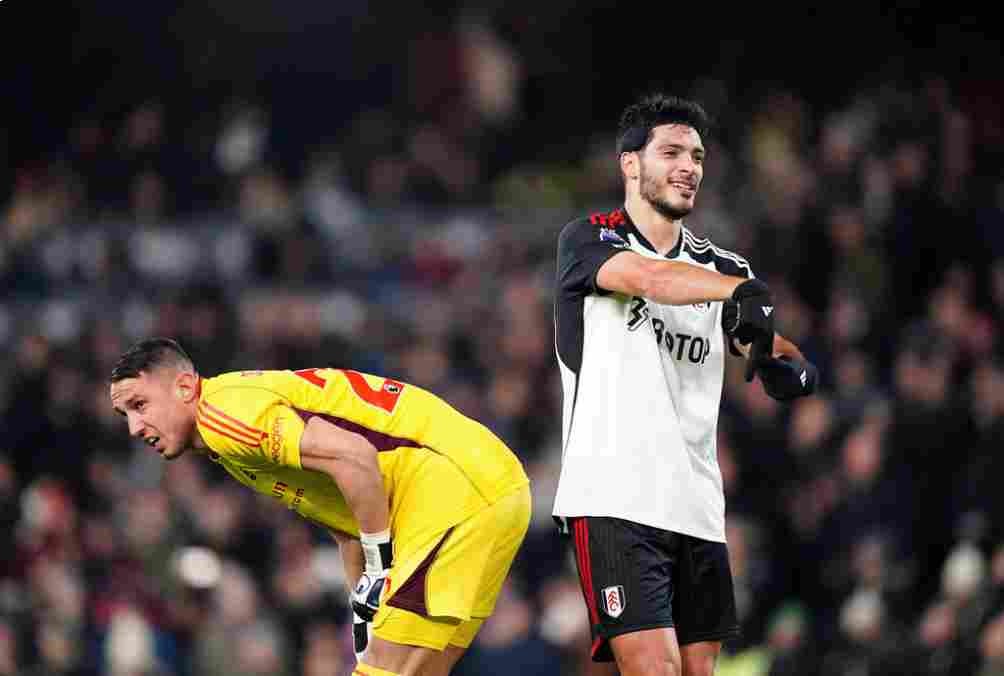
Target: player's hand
[785,378]
[360,636]
[366,595]
[378,550]
[749,317]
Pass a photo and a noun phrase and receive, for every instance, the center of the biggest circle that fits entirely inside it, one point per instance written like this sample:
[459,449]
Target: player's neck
[197,443]
[661,232]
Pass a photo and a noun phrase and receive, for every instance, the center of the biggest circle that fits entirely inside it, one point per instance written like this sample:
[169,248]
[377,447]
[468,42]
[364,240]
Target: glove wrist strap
[378,549]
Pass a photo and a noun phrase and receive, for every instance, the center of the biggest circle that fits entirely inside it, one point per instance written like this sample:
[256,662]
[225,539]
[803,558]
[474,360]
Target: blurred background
[380,186]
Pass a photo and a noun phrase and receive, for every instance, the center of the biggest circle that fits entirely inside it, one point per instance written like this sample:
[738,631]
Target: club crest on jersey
[610,235]
[613,600]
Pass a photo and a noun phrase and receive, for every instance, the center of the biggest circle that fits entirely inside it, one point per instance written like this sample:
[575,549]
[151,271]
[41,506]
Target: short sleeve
[581,252]
[729,263]
[249,425]
[283,431]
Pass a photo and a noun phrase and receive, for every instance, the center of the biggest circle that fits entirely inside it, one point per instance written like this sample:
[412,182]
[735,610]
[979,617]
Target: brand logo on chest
[681,345]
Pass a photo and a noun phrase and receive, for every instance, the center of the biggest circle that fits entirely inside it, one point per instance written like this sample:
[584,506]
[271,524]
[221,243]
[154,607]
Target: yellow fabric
[253,422]
[367,670]
[464,580]
[439,467]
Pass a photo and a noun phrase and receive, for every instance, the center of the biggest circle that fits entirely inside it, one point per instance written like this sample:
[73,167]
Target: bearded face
[671,167]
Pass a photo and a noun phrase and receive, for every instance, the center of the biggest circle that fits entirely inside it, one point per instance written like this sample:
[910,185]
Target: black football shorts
[636,577]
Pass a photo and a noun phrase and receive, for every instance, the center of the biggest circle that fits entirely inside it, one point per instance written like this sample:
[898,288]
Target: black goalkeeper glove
[785,378]
[749,317]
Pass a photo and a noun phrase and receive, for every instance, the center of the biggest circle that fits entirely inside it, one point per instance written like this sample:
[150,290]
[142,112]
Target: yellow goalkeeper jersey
[438,466]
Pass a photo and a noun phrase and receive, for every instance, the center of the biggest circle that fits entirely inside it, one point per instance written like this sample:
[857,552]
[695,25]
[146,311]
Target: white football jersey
[642,386]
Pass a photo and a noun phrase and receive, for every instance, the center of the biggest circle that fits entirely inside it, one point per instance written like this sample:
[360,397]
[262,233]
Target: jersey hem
[692,532]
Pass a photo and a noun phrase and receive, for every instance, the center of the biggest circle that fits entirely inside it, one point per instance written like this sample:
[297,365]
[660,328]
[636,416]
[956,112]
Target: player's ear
[186,386]
[629,165]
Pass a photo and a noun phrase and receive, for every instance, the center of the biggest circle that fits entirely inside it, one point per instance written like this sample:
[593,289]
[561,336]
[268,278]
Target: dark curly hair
[637,121]
[146,355]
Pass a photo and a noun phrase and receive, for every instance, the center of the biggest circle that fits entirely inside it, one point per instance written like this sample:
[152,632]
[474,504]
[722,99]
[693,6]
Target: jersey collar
[633,229]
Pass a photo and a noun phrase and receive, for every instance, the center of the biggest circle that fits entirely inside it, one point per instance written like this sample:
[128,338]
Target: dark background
[379,186]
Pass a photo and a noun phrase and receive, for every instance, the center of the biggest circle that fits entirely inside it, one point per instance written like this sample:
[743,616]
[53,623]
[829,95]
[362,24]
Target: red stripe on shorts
[585,568]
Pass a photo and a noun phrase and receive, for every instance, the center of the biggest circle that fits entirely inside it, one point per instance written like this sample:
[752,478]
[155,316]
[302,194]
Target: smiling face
[159,406]
[669,169]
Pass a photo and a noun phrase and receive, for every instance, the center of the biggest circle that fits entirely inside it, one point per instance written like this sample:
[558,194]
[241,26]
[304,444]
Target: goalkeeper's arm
[354,562]
[352,555]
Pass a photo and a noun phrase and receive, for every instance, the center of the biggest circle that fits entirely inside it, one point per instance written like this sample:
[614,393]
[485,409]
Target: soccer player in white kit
[644,309]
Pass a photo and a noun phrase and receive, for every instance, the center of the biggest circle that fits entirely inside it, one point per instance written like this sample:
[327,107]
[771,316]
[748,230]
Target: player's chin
[680,207]
[683,199]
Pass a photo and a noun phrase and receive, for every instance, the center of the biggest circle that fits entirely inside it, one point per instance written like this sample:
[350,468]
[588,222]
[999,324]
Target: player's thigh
[470,568]
[704,608]
[626,572]
[509,518]
[409,629]
[443,662]
[649,652]
[698,659]
[411,660]
[397,658]
[444,602]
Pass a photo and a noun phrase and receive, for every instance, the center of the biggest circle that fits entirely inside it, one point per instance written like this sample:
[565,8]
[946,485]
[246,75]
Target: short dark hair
[637,121]
[148,354]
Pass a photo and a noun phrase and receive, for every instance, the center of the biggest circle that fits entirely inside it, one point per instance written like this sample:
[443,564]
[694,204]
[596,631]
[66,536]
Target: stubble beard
[650,193]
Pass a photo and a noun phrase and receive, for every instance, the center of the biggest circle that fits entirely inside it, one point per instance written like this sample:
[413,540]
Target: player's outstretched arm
[666,282]
[351,460]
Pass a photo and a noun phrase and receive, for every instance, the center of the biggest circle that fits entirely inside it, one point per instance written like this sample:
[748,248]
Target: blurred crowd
[865,524]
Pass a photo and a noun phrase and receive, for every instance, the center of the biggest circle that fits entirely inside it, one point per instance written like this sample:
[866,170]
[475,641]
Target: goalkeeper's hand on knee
[378,549]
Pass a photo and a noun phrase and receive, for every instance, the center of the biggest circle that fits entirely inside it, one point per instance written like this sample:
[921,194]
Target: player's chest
[682,333]
[280,485]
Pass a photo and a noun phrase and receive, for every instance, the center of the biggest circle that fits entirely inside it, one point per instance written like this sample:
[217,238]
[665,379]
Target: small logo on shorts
[613,600]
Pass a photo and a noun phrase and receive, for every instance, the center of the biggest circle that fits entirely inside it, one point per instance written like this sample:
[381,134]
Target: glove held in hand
[749,317]
[749,314]
[785,378]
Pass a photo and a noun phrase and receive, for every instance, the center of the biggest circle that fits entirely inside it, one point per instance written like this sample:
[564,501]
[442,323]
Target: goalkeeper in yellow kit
[428,506]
